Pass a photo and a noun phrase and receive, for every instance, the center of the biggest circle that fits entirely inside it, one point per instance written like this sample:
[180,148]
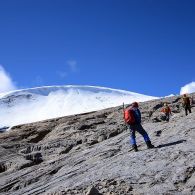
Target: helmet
[135,104]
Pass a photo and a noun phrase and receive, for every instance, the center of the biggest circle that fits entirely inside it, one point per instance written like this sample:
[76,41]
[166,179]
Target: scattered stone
[92,191]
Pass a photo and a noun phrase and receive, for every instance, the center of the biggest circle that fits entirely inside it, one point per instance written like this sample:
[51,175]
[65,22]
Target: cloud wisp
[71,68]
[72,65]
[62,74]
[6,83]
[188,88]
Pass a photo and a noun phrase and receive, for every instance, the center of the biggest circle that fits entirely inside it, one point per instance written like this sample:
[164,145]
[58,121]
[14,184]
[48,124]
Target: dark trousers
[167,116]
[187,108]
[139,129]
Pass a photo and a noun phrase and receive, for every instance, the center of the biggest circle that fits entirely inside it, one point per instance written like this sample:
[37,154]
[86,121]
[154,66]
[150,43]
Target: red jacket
[166,110]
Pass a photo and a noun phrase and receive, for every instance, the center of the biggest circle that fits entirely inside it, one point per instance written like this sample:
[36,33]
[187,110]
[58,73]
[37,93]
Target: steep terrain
[90,154]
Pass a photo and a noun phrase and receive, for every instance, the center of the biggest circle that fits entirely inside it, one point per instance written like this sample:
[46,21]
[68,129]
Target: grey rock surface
[81,153]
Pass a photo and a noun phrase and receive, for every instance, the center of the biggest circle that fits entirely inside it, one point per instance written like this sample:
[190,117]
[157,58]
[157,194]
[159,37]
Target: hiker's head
[165,104]
[135,105]
[184,95]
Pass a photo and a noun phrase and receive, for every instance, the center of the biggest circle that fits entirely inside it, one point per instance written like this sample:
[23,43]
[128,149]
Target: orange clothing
[166,110]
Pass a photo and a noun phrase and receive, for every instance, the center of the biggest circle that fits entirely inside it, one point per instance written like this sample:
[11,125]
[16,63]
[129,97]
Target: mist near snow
[188,88]
[30,105]
[6,83]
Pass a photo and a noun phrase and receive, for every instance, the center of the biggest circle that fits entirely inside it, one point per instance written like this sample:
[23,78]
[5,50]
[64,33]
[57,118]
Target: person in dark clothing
[186,104]
[132,117]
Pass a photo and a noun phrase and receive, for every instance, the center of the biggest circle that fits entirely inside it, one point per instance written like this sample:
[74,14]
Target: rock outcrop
[90,154]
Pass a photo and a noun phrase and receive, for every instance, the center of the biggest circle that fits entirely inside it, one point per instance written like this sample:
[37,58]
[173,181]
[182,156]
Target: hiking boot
[134,146]
[149,144]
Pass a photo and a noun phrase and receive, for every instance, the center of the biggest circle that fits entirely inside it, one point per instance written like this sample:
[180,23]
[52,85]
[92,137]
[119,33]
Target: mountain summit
[35,104]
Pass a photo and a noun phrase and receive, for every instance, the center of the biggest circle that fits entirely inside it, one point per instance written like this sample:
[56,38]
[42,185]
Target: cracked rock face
[90,154]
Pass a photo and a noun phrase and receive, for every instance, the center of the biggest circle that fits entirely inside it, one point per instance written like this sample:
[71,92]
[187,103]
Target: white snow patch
[30,105]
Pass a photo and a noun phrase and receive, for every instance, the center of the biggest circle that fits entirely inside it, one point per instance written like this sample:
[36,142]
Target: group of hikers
[186,105]
[132,117]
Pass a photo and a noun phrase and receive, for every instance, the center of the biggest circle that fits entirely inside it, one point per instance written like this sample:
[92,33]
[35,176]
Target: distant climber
[167,112]
[186,104]
[132,117]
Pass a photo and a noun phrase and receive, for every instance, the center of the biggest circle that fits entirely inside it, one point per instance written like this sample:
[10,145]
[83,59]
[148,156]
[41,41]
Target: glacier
[40,103]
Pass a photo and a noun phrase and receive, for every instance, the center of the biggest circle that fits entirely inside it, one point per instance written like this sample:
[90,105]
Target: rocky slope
[90,154]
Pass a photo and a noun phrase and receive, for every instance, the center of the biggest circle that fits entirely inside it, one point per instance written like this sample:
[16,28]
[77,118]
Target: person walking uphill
[167,111]
[132,117]
[186,104]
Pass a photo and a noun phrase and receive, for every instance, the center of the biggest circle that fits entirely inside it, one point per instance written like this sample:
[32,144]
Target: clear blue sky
[145,46]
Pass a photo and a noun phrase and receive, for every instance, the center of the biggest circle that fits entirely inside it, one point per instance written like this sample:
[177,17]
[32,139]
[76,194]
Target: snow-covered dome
[35,104]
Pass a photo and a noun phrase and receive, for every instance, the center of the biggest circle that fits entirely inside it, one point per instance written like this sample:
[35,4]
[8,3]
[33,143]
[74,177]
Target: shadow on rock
[171,144]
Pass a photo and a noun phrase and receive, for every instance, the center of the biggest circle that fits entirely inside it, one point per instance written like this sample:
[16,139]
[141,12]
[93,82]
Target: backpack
[166,110]
[129,116]
[186,101]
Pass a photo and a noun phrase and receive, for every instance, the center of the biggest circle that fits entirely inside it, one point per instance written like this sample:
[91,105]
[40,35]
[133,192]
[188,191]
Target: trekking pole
[124,111]
[124,115]
[123,107]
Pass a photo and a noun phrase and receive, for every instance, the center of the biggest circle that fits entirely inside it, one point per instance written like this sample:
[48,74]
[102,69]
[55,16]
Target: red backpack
[129,116]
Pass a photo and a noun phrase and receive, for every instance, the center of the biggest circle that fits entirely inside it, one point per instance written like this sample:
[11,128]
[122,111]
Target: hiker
[186,104]
[167,112]
[132,117]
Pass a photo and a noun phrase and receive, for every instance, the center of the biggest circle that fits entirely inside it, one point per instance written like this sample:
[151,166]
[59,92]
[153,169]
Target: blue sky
[145,46]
